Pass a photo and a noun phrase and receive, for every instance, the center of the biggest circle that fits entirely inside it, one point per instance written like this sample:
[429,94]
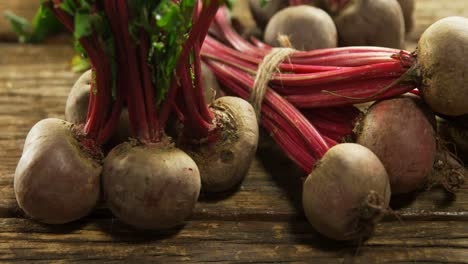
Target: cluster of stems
[134,86]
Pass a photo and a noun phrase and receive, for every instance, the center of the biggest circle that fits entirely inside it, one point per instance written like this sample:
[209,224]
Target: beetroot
[399,132]
[371,23]
[225,163]
[347,192]
[162,190]
[306,27]
[56,180]
[441,56]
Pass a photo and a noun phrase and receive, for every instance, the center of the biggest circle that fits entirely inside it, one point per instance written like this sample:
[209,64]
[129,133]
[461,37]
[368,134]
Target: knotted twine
[266,69]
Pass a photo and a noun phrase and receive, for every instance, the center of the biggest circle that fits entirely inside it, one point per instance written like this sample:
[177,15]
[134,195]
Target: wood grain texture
[261,222]
[228,241]
[34,83]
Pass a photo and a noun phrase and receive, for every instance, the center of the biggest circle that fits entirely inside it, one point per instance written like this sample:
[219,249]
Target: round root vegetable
[347,192]
[371,23]
[407,6]
[263,13]
[306,27]
[150,187]
[76,109]
[56,180]
[399,132]
[224,163]
[441,56]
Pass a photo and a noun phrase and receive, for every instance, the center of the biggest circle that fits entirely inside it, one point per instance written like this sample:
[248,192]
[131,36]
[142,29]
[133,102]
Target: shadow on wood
[120,231]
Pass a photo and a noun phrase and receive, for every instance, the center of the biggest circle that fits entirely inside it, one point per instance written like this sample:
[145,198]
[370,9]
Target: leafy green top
[167,24]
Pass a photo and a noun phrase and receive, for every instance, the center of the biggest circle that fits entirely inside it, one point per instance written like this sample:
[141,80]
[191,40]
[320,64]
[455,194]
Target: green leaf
[44,23]
[80,64]
[68,6]
[263,3]
[83,26]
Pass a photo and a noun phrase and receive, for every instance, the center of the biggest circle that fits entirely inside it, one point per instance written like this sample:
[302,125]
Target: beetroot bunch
[308,109]
[145,58]
[145,101]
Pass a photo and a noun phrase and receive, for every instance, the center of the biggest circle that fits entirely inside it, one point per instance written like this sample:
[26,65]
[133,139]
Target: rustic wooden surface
[261,222]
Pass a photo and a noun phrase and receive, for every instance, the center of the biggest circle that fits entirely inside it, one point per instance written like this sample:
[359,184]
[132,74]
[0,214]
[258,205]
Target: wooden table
[261,222]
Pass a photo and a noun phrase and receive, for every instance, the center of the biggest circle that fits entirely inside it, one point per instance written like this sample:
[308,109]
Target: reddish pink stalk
[309,79]
[100,120]
[135,87]
[281,107]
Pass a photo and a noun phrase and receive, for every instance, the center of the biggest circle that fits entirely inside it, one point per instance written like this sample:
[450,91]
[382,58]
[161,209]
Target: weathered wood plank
[219,241]
[262,222]
[34,83]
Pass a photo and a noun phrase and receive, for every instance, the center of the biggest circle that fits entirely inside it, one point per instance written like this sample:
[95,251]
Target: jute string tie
[266,69]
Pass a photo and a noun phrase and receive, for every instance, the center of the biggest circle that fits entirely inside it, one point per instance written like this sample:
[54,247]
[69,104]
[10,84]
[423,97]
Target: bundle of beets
[306,100]
[145,56]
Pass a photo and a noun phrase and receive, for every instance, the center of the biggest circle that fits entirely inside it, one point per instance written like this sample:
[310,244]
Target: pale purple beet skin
[371,23]
[399,132]
[55,180]
[347,192]
[441,57]
[306,27]
[150,187]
